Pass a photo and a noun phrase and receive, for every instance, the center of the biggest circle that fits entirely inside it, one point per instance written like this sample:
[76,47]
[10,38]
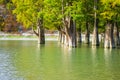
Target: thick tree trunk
[70,36]
[95,38]
[87,34]
[109,39]
[69,27]
[41,34]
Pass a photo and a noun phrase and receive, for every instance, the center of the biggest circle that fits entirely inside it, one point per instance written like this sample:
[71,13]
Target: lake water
[25,60]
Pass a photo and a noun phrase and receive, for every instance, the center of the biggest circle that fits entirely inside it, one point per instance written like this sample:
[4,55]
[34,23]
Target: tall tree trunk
[73,33]
[70,30]
[109,38]
[95,39]
[41,34]
[69,27]
[87,34]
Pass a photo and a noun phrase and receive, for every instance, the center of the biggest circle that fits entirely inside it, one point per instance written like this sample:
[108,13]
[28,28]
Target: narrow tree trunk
[95,38]
[109,39]
[73,35]
[87,34]
[79,35]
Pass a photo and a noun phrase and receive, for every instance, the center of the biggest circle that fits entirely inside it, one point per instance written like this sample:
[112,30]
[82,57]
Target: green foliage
[29,11]
[111,9]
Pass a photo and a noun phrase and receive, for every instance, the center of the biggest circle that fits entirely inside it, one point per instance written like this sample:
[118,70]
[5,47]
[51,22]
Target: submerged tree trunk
[116,34]
[61,36]
[79,35]
[109,38]
[73,33]
[70,36]
[87,34]
[69,27]
[95,38]
[41,34]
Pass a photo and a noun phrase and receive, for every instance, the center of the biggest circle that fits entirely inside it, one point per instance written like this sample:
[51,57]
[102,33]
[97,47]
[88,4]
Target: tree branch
[35,32]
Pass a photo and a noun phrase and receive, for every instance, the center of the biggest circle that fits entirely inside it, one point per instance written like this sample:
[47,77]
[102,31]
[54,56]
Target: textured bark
[109,39]
[70,36]
[95,39]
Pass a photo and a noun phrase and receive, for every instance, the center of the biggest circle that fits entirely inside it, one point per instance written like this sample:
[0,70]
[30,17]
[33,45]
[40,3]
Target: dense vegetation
[71,18]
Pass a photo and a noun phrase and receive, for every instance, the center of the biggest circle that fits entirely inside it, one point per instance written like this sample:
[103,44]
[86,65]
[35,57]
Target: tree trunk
[109,39]
[41,34]
[69,27]
[95,38]
[73,34]
[87,34]
[70,36]
[116,34]
[61,37]
[79,35]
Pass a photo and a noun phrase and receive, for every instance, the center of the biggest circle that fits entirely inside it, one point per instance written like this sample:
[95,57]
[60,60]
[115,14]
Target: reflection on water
[24,60]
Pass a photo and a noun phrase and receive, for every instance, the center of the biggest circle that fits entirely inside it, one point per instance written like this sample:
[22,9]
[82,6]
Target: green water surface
[25,60]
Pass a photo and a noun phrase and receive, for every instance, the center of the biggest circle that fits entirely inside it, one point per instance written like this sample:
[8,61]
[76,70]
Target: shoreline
[25,39]
[48,37]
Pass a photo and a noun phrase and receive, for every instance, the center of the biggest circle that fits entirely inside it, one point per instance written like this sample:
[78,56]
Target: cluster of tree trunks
[68,33]
[112,38]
